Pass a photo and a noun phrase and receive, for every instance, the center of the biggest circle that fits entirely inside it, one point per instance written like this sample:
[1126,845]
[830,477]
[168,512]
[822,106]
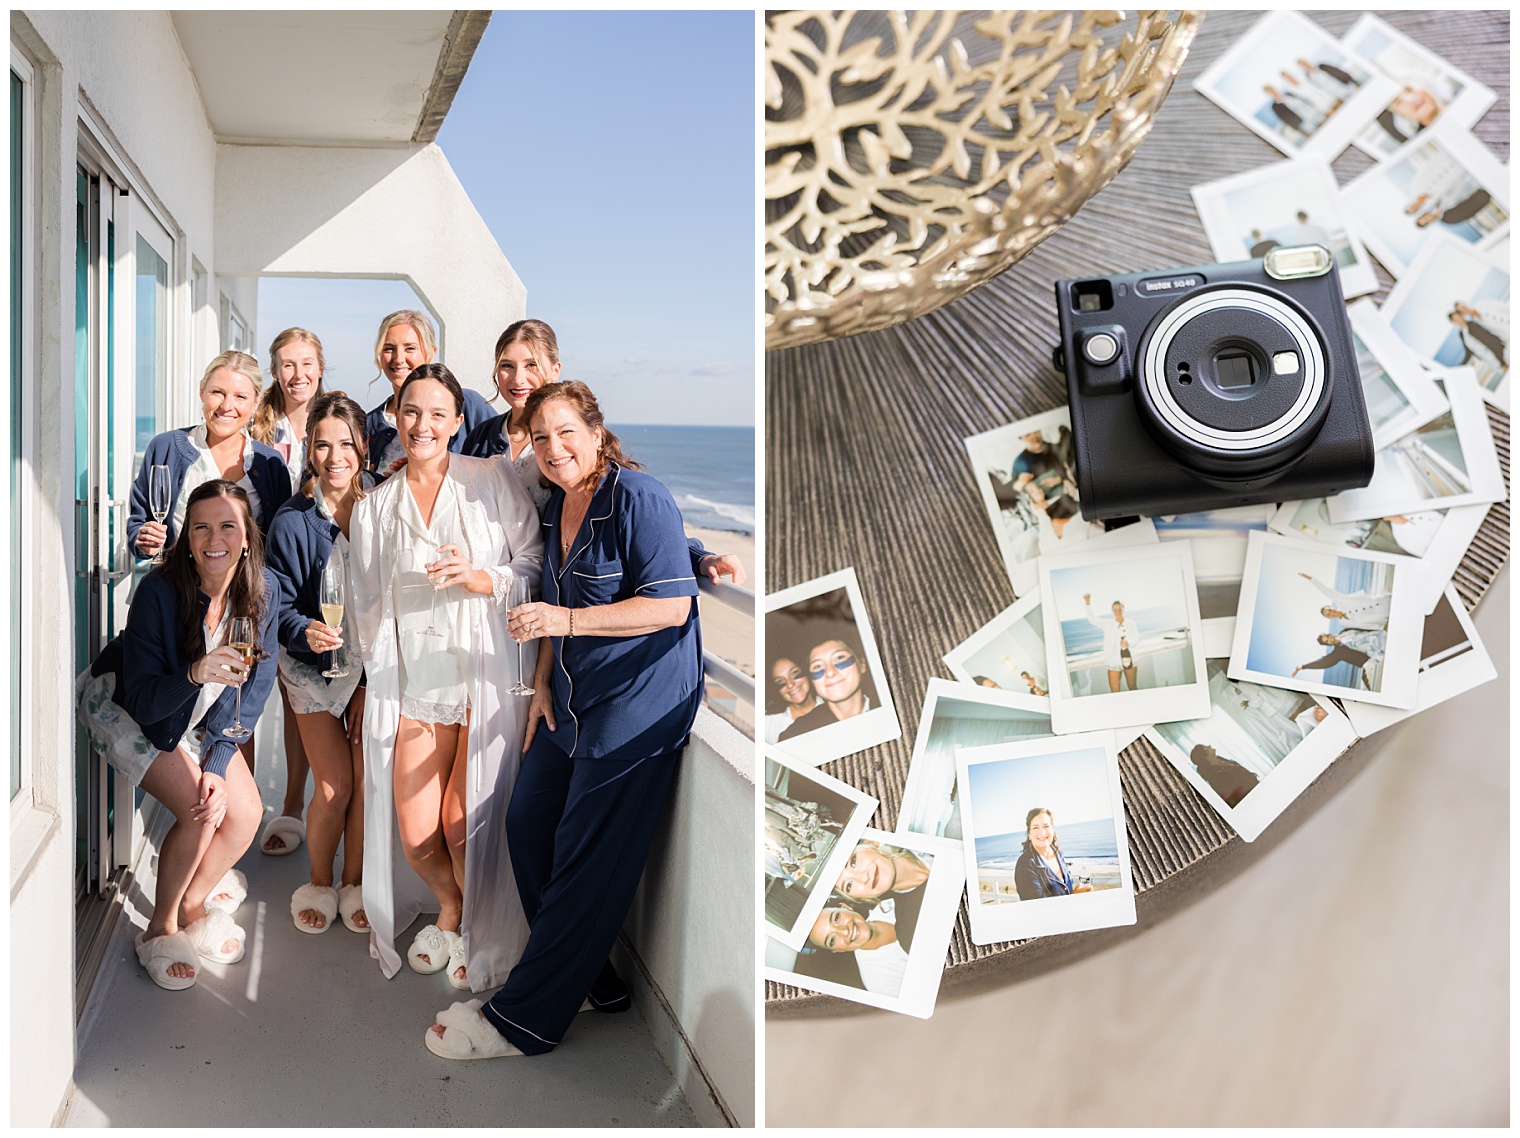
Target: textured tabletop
[865,467]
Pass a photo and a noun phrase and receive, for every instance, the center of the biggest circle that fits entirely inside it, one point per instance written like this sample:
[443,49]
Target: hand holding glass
[241,635]
[158,504]
[332,610]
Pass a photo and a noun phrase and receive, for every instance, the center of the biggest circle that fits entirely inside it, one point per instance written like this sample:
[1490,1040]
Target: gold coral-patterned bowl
[911,156]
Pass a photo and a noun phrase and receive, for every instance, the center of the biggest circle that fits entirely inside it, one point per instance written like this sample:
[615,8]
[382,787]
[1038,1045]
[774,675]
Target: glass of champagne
[517,594]
[433,606]
[241,637]
[332,609]
[158,504]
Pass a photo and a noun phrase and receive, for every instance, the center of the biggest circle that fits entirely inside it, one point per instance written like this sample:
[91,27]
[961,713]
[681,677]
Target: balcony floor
[306,1031]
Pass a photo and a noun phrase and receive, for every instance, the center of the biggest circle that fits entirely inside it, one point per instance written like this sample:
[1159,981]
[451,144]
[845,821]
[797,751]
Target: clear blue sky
[612,155]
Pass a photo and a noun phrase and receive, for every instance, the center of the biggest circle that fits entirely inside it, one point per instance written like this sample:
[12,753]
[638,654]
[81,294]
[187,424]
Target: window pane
[152,349]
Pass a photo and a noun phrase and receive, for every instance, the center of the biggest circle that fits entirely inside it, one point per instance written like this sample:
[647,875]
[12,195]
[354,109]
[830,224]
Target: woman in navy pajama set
[617,686]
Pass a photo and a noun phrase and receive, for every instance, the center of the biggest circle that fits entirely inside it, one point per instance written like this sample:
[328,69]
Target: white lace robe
[502,536]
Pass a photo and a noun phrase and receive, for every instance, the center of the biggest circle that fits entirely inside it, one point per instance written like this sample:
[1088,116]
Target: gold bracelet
[572,622]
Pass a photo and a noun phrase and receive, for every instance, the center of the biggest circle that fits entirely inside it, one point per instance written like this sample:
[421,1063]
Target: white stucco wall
[392,213]
[125,70]
[693,923]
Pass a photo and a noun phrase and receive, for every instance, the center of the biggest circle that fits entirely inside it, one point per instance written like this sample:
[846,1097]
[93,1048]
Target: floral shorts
[115,734]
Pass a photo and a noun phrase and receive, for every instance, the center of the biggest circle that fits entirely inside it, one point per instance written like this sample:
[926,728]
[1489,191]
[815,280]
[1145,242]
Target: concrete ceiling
[361,78]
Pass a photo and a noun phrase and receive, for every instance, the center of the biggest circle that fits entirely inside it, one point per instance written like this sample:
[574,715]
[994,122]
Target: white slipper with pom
[290,831]
[321,898]
[350,902]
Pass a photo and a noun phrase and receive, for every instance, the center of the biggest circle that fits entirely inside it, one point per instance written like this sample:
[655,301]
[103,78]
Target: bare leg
[422,767]
[1133,676]
[326,745]
[1113,680]
[296,767]
[193,857]
[353,831]
[453,818]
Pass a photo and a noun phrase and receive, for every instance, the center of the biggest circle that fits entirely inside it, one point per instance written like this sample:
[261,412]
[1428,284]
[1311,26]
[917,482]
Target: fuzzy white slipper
[351,901]
[433,944]
[212,931]
[456,962]
[322,898]
[235,885]
[157,954]
[291,831]
[467,1035]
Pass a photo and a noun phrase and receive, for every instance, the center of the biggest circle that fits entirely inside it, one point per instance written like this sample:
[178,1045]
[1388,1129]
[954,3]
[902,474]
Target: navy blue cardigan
[155,689]
[378,434]
[485,440]
[174,449]
[300,542]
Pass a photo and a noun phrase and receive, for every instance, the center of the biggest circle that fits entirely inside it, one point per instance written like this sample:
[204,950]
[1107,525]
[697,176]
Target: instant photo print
[1447,462]
[959,715]
[810,824]
[1285,204]
[1123,637]
[1452,661]
[1399,393]
[1218,542]
[1444,181]
[1027,477]
[1430,90]
[1007,653]
[1291,83]
[1257,751]
[1334,623]
[881,939]
[1044,843]
[821,627]
[1452,309]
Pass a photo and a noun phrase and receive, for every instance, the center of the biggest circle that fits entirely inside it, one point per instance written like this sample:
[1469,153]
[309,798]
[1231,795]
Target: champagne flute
[158,504]
[332,609]
[433,606]
[241,637]
[517,594]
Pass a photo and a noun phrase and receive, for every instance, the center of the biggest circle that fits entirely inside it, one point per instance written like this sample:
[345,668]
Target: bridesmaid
[217,448]
[308,533]
[297,365]
[407,341]
[157,703]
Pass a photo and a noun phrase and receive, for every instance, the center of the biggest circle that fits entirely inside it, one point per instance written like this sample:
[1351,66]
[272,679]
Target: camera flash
[1285,363]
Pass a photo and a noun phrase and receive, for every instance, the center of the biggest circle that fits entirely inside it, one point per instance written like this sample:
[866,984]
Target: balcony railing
[730,689]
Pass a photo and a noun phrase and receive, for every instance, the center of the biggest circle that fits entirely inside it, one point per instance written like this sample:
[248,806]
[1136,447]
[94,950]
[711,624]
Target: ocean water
[709,470]
[1094,839]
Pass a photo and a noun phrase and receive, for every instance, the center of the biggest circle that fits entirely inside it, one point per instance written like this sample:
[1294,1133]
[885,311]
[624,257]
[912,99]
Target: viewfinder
[1092,296]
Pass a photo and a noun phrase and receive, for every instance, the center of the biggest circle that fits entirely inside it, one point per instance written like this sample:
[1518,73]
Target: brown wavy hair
[245,596]
[272,406]
[537,335]
[335,405]
[584,403]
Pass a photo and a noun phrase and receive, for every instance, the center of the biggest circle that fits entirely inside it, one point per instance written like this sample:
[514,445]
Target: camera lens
[1233,380]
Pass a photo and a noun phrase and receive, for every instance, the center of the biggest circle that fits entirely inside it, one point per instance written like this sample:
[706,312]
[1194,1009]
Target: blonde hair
[240,362]
[271,407]
[426,335]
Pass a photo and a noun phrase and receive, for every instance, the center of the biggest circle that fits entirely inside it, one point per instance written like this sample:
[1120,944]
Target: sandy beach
[728,633]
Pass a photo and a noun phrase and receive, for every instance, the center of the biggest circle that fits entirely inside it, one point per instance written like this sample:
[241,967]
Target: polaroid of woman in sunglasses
[823,625]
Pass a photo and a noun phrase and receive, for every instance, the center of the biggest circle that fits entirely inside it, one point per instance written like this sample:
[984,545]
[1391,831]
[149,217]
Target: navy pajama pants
[579,832]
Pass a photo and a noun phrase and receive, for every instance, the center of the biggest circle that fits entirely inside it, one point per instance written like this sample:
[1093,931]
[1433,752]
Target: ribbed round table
[865,466]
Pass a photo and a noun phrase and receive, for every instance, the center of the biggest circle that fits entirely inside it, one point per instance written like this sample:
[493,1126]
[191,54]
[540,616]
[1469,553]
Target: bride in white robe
[497,531]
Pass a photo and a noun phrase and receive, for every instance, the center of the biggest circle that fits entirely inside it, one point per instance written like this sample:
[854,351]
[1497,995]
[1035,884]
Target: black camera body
[1213,386]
